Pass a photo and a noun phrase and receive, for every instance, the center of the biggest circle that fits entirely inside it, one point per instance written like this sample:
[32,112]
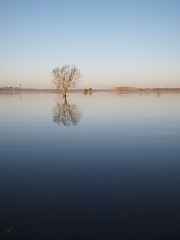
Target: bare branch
[65,77]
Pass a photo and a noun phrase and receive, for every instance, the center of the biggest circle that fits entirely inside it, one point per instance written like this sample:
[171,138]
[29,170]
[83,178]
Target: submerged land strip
[90,90]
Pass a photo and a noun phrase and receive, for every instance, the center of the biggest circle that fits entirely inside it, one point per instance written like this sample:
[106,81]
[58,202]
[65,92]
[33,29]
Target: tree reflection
[66,114]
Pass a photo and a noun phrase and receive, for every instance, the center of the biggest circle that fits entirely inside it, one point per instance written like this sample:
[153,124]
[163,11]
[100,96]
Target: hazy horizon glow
[114,43]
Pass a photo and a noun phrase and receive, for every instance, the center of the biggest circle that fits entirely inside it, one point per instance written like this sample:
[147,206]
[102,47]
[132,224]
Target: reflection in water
[66,114]
[159,94]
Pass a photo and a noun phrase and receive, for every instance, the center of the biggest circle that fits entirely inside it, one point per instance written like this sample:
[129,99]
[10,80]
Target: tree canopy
[65,77]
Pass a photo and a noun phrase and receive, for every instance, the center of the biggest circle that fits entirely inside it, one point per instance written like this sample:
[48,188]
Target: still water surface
[101,166]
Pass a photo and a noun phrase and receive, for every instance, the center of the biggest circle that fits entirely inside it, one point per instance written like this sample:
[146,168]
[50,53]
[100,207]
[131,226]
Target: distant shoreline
[116,90]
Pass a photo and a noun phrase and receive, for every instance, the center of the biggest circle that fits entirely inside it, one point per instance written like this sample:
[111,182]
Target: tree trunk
[65,98]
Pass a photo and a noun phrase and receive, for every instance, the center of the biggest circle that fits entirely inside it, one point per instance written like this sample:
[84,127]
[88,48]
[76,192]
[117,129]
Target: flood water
[101,166]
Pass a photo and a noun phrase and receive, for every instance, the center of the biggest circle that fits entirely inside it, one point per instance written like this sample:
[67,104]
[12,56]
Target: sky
[113,43]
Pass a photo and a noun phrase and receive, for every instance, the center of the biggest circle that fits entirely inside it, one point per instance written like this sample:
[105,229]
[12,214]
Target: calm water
[102,166]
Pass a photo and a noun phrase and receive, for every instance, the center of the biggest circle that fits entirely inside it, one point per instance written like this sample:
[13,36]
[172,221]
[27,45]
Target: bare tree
[65,77]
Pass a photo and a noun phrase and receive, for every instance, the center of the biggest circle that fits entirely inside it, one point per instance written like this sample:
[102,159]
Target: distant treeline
[135,89]
[90,90]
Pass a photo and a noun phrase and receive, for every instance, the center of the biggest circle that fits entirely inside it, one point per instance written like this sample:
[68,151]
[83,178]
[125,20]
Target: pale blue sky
[114,43]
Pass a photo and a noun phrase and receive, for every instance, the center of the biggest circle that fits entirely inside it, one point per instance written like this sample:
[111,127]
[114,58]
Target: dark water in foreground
[102,166]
